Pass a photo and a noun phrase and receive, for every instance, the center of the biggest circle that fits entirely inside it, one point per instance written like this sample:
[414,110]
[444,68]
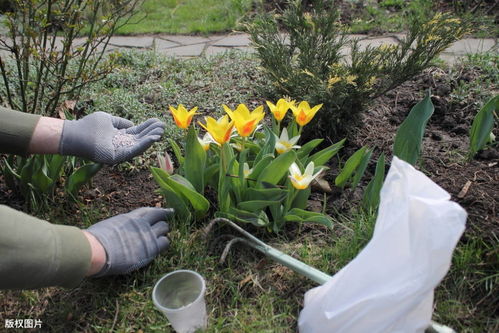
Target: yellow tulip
[303,113]
[300,180]
[245,121]
[181,116]
[280,109]
[219,130]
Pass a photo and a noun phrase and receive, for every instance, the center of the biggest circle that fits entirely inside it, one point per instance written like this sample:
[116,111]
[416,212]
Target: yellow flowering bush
[311,62]
[261,177]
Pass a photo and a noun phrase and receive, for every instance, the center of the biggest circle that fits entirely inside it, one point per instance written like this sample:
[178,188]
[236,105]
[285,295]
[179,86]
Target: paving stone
[215,50]
[233,40]
[471,45]
[162,44]
[357,36]
[132,42]
[375,42]
[449,58]
[185,40]
[185,51]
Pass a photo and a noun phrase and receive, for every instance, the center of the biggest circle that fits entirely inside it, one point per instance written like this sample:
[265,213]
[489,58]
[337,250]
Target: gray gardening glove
[104,138]
[132,240]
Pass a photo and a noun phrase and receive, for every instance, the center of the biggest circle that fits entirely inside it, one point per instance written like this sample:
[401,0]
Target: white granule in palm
[123,140]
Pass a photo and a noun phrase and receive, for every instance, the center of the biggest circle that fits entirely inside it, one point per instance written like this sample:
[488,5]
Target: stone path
[198,46]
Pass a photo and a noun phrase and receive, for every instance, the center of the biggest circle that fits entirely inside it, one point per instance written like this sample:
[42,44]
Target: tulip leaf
[55,166]
[177,151]
[361,169]
[268,147]
[305,150]
[173,199]
[350,166]
[41,181]
[407,144]
[301,198]
[271,194]
[276,170]
[81,176]
[195,161]
[259,220]
[370,200]
[255,205]
[260,166]
[482,125]
[300,215]
[323,156]
[181,185]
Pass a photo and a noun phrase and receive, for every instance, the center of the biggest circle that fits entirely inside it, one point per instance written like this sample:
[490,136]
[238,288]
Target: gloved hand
[132,240]
[104,138]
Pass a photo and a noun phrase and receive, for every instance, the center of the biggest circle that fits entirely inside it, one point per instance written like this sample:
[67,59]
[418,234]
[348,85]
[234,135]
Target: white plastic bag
[389,286]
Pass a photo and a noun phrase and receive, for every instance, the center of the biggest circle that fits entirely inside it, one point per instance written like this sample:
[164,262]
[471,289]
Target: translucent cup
[180,296]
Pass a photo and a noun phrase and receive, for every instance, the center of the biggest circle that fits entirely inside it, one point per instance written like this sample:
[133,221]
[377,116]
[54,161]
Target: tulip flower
[183,117]
[205,141]
[245,121]
[219,130]
[284,143]
[166,163]
[300,180]
[303,113]
[280,109]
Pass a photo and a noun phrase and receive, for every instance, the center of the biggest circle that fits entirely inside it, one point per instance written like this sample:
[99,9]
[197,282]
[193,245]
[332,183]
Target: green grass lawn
[186,16]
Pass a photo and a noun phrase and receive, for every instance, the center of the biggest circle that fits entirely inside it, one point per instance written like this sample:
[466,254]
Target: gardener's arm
[99,137]
[36,254]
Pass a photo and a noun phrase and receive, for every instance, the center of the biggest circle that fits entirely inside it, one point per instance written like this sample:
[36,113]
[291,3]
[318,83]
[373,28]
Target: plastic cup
[180,296]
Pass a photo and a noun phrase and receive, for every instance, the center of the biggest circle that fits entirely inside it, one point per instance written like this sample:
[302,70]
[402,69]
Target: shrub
[48,60]
[309,62]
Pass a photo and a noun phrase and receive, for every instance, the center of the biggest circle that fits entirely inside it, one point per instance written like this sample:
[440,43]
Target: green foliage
[38,178]
[354,168]
[370,200]
[483,123]
[47,64]
[407,143]
[251,183]
[310,64]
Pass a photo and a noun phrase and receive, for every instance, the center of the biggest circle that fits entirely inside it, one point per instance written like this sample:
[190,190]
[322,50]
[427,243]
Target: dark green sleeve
[36,254]
[16,129]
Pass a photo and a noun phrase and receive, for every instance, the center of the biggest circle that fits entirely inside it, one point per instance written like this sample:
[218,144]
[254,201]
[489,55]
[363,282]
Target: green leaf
[300,215]
[407,144]
[211,175]
[271,194]
[361,169]
[260,166]
[175,200]
[305,150]
[370,200]
[41,181]
[323,156]
[482,125]
[81,176]
[181,185]
[195,161]
[255,205]
[55,166]
[301,198]
[259,220]
[177,151]
[276,170]
[268,147]
[350,166]
[183,189]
